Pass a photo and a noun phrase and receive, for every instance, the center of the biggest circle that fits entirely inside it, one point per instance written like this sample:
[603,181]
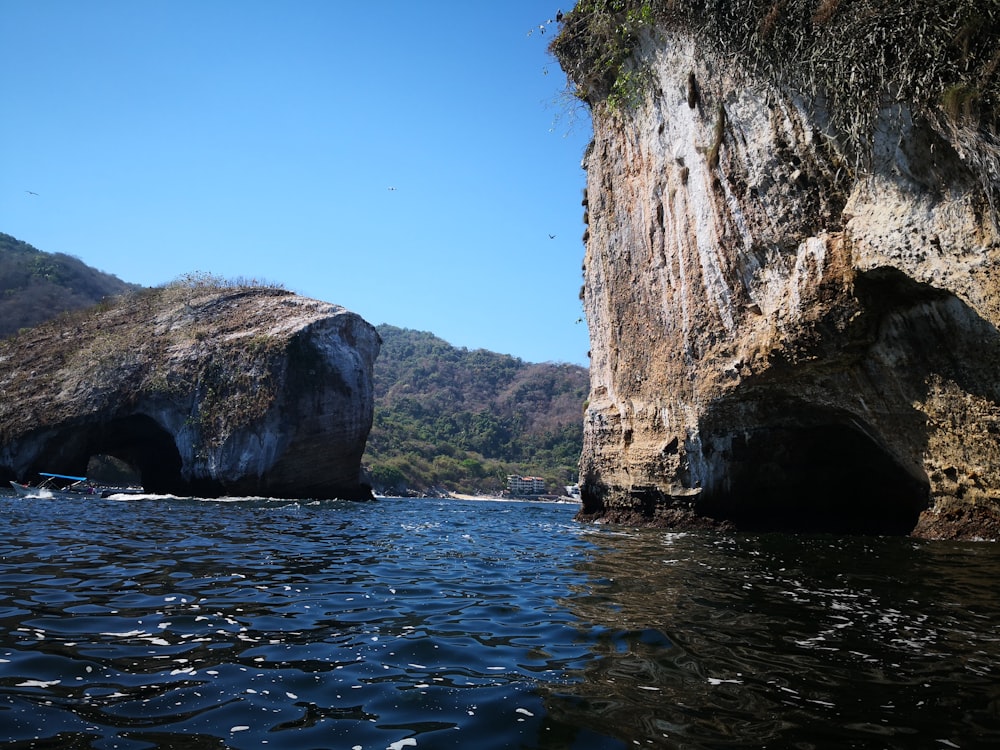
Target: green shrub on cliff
[942,57]
[594,47]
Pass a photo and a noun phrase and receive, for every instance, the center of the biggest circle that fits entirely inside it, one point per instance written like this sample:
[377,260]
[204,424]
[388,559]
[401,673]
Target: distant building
[517,485]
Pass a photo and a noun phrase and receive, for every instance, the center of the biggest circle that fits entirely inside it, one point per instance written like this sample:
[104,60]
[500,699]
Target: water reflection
[787,641]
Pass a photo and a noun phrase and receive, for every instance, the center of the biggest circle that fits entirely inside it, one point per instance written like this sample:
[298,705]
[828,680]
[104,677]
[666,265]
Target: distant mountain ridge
[35,286]
[446,418]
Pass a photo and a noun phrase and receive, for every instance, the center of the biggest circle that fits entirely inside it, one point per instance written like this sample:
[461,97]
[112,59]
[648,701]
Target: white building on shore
[517,485]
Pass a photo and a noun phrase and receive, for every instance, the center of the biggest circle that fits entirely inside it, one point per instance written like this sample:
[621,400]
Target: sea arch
[137,439]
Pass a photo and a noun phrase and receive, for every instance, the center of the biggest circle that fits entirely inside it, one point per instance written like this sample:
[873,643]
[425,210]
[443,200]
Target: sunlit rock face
[781,340]
[203,390]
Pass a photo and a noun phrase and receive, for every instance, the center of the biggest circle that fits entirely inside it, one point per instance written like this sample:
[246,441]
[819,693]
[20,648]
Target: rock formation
[793,324]
[204,389]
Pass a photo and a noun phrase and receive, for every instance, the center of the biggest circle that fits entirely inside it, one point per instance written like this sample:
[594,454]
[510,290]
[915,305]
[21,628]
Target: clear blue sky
[259,139]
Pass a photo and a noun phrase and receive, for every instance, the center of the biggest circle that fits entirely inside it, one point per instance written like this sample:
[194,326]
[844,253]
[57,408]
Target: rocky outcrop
[786,333]
[204,390]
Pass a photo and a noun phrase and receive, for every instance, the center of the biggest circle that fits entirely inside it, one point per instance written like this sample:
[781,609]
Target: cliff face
[782,338]
[203,390]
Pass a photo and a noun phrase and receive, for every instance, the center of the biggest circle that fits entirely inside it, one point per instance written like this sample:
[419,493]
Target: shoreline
[497,498]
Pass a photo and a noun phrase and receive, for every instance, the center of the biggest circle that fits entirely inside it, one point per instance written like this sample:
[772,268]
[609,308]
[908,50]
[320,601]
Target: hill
[447,418]
[35,286]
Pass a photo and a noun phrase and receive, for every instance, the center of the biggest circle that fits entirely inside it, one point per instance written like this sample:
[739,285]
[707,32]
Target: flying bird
[31,192]
[391,187]
[552,236]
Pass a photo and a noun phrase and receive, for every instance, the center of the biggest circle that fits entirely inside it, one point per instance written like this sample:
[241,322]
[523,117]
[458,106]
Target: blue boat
[66,486]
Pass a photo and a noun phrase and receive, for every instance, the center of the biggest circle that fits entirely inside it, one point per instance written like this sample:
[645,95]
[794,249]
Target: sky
[417,163]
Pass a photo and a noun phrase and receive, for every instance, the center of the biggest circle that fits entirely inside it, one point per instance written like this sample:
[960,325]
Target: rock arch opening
[137,440]
[143,444]
[105,469]
[821,475]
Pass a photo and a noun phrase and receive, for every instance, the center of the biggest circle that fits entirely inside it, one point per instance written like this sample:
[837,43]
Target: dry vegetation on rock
[118,349]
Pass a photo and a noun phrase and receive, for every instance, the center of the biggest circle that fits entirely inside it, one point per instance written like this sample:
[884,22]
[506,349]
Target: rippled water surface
[450,624]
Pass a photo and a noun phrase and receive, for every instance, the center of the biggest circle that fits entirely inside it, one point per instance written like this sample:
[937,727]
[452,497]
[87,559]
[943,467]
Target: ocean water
[184,623]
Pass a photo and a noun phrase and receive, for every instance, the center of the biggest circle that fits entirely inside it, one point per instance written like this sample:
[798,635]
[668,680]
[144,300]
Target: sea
[162,622]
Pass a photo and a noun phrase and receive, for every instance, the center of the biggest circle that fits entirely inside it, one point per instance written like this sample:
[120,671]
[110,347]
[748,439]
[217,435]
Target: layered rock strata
[203,390]
[783,338]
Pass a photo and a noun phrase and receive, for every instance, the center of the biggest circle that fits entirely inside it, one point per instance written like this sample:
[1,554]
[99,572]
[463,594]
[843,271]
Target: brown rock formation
[203,390]
[787,332]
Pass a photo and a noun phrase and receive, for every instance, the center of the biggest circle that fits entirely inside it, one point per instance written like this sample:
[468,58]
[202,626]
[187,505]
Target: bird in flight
[31,192]
[552,236]
[391,187]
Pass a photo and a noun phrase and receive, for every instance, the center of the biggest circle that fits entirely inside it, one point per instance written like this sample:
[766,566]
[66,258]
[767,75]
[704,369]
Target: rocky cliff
[203,389]
[791,271]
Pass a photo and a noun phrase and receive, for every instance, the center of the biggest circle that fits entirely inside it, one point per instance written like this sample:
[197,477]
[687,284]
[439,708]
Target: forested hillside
[460,420]
[35,286]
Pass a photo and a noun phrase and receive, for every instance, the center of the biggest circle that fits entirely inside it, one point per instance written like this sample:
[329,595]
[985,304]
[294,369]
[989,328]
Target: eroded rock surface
[204,390]
[781,339]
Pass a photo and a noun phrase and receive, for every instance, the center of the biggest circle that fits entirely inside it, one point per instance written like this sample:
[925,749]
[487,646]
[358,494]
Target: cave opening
[146,449]
[143,444]
[823,477]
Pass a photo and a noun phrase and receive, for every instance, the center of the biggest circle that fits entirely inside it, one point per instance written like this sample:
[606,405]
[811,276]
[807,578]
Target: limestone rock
[781,339]
[204,390]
